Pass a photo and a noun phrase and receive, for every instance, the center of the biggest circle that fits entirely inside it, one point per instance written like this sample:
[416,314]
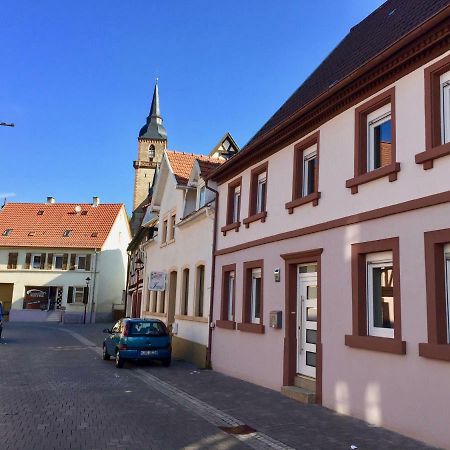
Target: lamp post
[139,264]
[86,298]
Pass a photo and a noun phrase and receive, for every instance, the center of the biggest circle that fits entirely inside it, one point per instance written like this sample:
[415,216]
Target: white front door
[306,323]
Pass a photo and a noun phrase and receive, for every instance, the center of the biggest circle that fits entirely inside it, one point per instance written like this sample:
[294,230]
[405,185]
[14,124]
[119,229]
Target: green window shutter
[88,263]
[27,261]
[70,295]
[49,261]
[43,255]
[65,259]
[72,261]
[12,260]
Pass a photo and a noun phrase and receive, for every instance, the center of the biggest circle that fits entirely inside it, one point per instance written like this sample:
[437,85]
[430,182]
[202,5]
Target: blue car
[138,339]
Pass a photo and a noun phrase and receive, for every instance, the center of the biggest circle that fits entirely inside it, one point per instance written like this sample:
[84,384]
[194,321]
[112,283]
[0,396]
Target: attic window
[94,234]
[67,233]
[32,233]
[84,213]
[40,212]
[7,232]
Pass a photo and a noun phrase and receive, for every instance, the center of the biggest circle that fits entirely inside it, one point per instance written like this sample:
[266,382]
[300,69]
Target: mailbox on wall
[275,319]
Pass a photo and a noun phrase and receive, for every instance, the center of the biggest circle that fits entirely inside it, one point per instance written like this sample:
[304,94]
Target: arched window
[151,151]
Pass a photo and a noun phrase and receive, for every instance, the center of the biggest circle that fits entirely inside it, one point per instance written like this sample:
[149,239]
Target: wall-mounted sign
[36,297]
[157,281]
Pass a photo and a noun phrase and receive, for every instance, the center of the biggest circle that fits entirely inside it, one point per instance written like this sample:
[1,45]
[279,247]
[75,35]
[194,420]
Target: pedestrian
[1,318]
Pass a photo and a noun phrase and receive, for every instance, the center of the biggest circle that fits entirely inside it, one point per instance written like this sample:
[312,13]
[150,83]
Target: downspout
[213,270]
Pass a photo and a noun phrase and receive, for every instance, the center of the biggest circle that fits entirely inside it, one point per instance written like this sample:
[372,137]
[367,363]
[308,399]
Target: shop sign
[157,281]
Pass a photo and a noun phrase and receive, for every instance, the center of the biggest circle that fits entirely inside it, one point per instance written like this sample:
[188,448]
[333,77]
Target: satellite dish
[77,208]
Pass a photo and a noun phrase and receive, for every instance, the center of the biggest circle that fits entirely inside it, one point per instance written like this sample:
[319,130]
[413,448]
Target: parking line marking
[255,440]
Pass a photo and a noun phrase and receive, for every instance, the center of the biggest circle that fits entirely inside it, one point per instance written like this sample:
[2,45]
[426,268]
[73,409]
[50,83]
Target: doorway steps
[304,390]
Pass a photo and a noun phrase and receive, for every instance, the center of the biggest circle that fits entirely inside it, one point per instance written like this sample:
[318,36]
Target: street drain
[239,429]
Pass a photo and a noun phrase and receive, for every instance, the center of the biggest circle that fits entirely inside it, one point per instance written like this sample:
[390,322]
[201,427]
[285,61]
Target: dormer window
[40,212]
[151,152]
[7,232]
[67,233]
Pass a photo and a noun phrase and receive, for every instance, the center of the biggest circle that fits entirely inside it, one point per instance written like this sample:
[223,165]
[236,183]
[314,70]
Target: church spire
[154,128]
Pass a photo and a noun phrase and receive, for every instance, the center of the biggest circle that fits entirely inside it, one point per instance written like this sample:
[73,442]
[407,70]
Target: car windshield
[147,329]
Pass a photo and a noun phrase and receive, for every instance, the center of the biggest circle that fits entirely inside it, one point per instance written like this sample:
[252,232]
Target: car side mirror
[107,330]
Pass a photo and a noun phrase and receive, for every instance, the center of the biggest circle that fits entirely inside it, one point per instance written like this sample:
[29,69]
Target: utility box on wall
[275,319]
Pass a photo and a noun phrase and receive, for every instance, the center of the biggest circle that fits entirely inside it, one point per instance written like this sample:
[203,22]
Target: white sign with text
[157,281]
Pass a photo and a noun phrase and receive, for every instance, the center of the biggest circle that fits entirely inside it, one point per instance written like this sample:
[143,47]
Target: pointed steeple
[154,128]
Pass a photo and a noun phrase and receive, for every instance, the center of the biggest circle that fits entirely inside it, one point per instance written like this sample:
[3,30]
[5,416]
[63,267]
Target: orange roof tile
[206,167]
[182,164]
[43,224]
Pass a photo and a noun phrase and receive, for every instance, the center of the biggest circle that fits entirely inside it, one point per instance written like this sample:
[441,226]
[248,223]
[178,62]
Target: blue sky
[77,79]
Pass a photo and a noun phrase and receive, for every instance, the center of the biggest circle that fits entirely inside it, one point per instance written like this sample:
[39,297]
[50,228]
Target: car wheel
[166,362]
[119,361]
[105,354]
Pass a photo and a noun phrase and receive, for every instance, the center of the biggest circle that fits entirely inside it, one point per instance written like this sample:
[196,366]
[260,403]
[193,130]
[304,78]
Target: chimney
[50,200]
[95,201]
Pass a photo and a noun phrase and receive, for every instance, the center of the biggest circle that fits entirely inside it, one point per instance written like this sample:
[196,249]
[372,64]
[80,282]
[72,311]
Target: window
[376,297]
[58,262]
[12,260]
[261,193]
[233,207]
[201,196]
[77,294]
[7,232]
[309,173]
[199,307]
[437,113]
[258,195]
[40,212]
[67,233]
[81,262]
[230,295]
[375,155]
[151,152]
[36,261]
[252,304]
[380,294]
[437,263]
[227,313]
[164,232]
[172,227]
[185,293]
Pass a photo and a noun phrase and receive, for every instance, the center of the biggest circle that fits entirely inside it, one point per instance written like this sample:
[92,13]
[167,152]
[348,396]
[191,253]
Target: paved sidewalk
[267,411]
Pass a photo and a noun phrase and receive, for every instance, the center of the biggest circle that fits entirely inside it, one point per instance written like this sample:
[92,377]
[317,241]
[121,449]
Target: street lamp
[86,298]
[139,264]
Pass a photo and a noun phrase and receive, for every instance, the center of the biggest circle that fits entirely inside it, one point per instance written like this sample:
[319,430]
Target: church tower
[152,141]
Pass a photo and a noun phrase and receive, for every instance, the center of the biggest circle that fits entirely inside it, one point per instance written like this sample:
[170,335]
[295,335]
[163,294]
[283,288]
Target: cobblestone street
[57,393]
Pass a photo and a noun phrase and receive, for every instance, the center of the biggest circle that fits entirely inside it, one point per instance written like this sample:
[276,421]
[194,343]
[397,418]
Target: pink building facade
[333,242]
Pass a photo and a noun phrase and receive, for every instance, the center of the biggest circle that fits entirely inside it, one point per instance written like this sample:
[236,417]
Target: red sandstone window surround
[375,154]
[437,263]
[233,206]
[437,113]
[252,298]
[376,303]
[227,309]
[305,180]
[257,209]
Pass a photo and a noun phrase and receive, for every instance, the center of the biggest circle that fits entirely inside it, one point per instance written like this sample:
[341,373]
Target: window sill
[154,314]
[254,217]
[428,156]
[387,171]
[251,327]
[435,351]
[231,226]
[191,318]
[227,324]
[311,198]
[377,344]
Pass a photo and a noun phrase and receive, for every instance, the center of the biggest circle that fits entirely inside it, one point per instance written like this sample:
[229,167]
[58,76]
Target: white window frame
[231,286]
[262,180]
[236,203]
[447,286]
[77,289]
[308,155]
[58,255]
[375,119]
[34,255]
[164,230]
[377,260]
[256,274]
[78,262]
[201,196]
[444,83]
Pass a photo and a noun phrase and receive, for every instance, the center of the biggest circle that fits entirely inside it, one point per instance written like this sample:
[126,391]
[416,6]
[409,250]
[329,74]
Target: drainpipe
[213,270]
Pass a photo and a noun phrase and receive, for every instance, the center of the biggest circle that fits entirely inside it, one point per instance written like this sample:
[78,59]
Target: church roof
[154,128]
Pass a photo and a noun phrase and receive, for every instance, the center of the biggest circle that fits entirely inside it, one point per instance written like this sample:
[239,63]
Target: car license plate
[149,352]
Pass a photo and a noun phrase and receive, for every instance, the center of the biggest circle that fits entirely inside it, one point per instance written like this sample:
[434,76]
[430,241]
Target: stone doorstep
[305,382]
[302,395]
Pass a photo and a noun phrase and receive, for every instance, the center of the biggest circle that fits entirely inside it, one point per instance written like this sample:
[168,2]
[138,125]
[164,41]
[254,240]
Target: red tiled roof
[182,163]
[31,228]
[206,167]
